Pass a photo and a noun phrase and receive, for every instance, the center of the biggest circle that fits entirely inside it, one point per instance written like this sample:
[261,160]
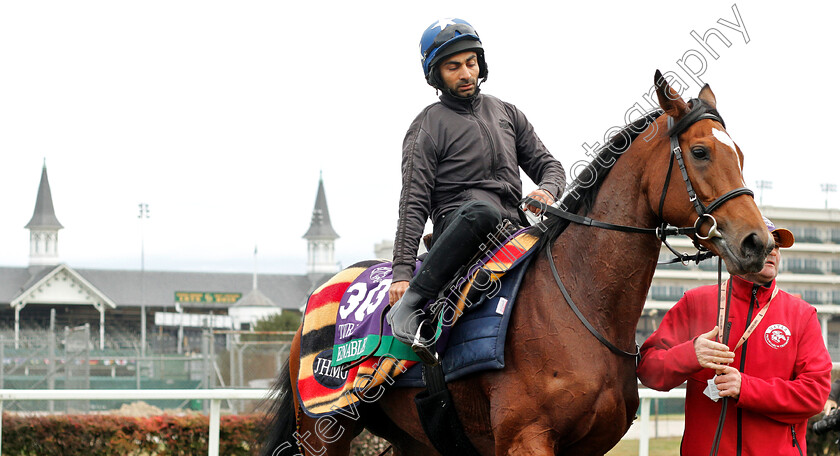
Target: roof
[131,288]
[320,228]
[66,284]
[44,215]
[255,298]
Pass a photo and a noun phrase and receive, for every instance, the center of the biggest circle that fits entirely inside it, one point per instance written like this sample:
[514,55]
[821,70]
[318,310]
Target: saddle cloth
[343,317]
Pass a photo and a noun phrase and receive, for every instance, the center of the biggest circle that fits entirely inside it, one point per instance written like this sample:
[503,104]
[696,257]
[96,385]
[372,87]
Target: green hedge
[108,435]
[165,435]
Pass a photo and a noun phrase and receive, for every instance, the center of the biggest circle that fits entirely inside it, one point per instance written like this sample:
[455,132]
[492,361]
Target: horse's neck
[613,270]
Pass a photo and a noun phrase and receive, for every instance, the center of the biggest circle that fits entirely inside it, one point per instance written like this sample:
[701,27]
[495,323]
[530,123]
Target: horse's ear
[708,96]
[669,100]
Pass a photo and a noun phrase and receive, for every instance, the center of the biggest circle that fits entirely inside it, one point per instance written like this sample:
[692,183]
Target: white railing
[646,395]
[216,396]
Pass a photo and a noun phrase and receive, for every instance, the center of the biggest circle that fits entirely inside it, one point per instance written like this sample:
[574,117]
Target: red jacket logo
[777,336]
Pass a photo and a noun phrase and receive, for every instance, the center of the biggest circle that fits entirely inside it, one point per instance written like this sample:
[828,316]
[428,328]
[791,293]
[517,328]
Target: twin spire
[320,237]
[43,226]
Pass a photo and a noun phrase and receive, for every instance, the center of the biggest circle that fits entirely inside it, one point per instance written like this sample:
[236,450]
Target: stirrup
[421,347]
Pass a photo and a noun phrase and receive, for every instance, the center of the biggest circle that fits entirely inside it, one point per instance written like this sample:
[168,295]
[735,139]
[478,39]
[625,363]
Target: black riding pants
[456,239]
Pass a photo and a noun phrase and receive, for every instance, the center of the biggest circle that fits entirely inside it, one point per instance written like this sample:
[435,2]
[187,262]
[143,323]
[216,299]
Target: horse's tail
[279,423]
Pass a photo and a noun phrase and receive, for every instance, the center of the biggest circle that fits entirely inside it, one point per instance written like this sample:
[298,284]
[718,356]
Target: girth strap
[438,415]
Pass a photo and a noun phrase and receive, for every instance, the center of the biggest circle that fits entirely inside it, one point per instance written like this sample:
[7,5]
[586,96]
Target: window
[812,296]
[711,265]
[666,293]
[833,339]
[809,295]
[799,265]
[806,234]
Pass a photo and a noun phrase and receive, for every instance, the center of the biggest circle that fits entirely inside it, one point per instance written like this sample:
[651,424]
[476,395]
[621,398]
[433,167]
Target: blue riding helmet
[446,37]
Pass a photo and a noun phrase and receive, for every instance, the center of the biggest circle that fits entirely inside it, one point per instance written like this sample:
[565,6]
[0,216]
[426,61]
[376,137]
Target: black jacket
[458,150]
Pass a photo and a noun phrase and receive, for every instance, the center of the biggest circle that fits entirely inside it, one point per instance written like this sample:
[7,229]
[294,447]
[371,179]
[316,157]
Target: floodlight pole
[828,188]
[144,214]
[762,185]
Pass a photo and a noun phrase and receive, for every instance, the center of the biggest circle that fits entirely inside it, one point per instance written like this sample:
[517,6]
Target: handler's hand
[728,382]
[543,197]
[712,354]
[396,291]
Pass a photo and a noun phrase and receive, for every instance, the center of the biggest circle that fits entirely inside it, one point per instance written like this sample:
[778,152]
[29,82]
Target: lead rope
[723,311]
[723,316]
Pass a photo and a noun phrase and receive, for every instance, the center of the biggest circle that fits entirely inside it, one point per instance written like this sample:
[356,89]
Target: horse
[561,391]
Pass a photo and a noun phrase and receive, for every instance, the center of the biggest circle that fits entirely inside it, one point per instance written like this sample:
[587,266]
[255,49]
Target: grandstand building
[177,304]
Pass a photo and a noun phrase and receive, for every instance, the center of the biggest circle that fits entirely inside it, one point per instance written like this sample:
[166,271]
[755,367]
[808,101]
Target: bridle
[699,111]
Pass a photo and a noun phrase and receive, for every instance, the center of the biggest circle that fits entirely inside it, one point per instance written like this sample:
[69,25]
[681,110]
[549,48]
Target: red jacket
[785,370]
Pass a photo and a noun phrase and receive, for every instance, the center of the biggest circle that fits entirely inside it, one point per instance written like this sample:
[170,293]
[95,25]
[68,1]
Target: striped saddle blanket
[344,322]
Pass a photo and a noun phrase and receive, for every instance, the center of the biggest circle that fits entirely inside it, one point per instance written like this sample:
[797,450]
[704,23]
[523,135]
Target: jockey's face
[771,268]
[459,73]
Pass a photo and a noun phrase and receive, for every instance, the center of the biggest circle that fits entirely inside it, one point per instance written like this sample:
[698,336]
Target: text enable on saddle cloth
[711,389]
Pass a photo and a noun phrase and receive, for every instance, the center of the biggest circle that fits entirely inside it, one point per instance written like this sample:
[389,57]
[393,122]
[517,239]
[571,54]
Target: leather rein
[699,112]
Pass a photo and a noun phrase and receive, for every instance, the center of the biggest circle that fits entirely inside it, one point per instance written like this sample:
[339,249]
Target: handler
[460,166]
[774,380]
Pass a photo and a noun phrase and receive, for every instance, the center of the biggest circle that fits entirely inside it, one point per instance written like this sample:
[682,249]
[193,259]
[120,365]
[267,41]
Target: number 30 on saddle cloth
[343,322]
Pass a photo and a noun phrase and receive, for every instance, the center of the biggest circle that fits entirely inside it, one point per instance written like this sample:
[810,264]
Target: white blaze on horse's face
[726,140]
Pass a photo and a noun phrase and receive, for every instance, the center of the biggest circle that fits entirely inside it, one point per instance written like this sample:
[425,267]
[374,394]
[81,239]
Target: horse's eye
[700,153]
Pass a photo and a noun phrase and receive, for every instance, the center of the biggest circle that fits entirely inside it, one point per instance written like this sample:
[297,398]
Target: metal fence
[70,358]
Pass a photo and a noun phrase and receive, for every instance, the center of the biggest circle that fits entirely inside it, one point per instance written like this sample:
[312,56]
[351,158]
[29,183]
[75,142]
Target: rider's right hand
[396,291]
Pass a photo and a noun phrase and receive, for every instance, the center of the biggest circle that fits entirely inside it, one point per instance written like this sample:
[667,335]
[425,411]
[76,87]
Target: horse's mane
[580,194]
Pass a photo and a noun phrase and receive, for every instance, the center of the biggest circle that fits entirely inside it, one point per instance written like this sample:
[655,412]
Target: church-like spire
[44,215]
[320,237]
[320,228]
[43,226]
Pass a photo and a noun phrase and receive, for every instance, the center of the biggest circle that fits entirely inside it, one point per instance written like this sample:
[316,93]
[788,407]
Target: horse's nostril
[752,246]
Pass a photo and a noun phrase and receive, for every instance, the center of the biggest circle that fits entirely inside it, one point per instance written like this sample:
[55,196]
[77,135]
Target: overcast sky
[220,115]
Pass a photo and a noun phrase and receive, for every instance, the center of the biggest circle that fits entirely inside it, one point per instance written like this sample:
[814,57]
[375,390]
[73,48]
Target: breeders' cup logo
[777,336]
[377,274]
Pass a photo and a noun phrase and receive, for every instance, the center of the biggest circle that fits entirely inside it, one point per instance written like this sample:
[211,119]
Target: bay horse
[562,392]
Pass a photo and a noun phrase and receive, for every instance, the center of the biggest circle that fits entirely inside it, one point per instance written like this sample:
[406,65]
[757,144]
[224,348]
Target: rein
[698,112]
[580,316]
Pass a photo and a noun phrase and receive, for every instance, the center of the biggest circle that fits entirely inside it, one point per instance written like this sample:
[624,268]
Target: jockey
[460,167]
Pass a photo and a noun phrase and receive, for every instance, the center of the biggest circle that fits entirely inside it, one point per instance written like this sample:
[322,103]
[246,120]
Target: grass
[658,447]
